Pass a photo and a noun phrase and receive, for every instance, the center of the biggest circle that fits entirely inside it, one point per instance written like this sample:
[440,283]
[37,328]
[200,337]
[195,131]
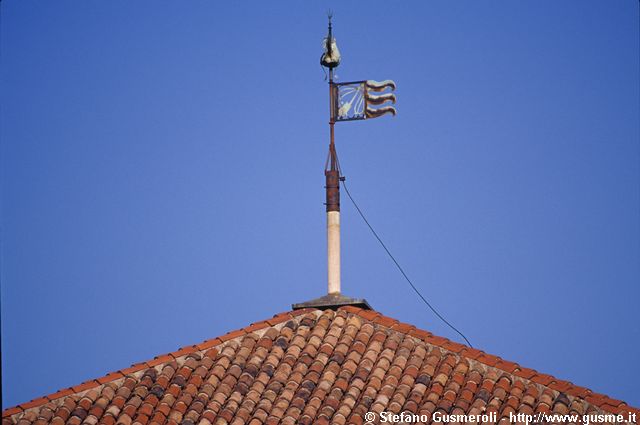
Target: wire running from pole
[400,268]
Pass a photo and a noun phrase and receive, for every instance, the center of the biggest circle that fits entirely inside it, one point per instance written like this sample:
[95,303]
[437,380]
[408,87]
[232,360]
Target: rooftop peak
[333,302]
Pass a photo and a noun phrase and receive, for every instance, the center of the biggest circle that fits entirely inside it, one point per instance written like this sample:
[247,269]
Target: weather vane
[355,100]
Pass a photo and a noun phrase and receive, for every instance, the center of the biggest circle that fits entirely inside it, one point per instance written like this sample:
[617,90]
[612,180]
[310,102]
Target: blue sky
[162,178]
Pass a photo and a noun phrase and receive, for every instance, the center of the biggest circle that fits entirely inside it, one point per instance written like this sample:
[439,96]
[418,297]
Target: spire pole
[355,100]
[332,180]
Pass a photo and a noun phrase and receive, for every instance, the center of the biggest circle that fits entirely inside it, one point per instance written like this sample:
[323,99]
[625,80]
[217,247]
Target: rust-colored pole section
[332,186]
[332,171]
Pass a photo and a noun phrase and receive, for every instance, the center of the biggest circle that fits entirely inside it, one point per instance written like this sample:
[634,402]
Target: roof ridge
[602,401]
[157,360]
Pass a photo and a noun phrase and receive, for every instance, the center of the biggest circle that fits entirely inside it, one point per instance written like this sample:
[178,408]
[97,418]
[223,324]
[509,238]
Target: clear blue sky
[162,178]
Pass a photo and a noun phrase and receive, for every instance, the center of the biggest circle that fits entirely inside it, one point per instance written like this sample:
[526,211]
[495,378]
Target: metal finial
[331,56]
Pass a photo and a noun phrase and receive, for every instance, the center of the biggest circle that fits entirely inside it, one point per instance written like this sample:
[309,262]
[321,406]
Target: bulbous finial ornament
[331,56]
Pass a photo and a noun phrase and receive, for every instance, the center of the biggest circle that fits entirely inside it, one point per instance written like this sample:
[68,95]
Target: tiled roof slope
[312,367]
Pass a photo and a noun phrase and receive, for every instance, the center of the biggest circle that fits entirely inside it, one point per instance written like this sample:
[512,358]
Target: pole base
[333,302]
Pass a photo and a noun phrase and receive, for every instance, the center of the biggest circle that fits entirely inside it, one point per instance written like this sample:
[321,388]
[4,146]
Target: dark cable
[400,268]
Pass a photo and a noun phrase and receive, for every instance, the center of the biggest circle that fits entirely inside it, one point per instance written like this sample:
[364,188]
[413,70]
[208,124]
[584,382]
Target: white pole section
[333,251]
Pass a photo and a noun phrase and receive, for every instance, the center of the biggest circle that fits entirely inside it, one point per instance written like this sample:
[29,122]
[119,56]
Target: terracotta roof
[313,367]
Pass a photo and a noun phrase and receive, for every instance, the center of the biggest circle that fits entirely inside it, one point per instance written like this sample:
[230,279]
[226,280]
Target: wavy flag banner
[359,100]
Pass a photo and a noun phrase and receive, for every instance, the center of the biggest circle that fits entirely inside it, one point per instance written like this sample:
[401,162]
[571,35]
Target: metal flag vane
[355,100]
[359,100]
